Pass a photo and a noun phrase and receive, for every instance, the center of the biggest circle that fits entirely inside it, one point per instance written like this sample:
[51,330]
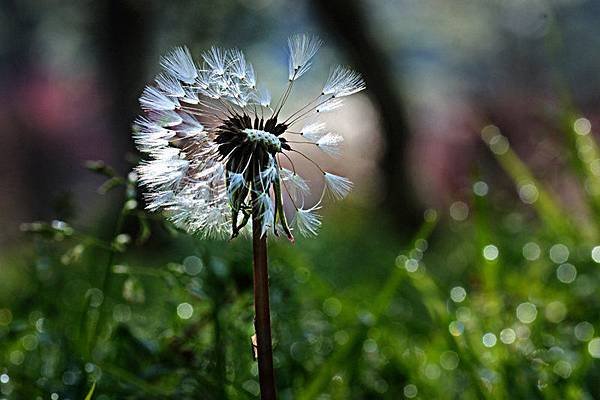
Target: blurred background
[464,265]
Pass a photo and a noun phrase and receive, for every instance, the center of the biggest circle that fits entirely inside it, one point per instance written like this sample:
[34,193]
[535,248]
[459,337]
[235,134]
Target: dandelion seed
[169,85]
[237,64]
[165,118]
[190,126]
[314,131]
[236,182]
[215,58]
[294,184]
[342,82]
[216,145]
[264,98]
[302,49]
[330,144]
[307,222]
[150,136]
[189,96]
[250,78]
[165,171]
[154,99]
[337,186]
[330,105]
[179,64]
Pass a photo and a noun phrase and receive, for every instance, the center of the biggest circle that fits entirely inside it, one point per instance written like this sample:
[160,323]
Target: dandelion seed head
[215,143]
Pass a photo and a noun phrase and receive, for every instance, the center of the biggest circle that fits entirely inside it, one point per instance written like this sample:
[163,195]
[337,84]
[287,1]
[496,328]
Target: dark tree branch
[123,39]
[344,19]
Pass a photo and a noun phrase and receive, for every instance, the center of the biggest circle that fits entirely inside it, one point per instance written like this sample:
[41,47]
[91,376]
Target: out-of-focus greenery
[497,300]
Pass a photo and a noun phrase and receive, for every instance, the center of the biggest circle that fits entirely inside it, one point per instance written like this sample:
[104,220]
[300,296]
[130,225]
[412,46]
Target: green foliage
[498,301]
[91,392]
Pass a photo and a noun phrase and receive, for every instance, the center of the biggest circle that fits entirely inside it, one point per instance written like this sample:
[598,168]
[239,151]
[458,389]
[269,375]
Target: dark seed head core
[243,141]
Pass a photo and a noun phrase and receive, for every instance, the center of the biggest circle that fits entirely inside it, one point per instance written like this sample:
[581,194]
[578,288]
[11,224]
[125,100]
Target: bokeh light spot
[531,251]
[17,357]
[411,265]
[332,307]
[582,126]
[480,188]
[459,211]
[499,145]
[421,244]
[410,391]
[594,347]
[555,312]
[508,336]
[584,331]
[596,254]
[526,312]
[449,360]
[566,273]
[463,314]
[432,371]
[381,386]
[458,294]
[185,311]
[528,193]
[96,297]
[490,252]
[562,369]
[193,265]
[559,253]
[456,328]
[489,339]
[370,346]
[29,342]
[430,215]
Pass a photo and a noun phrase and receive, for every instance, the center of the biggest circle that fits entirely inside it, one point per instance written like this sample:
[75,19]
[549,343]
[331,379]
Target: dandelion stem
[262,319]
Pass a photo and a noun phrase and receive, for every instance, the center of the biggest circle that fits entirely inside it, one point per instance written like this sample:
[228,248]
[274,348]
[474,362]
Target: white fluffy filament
[330,144]
[342,82]
[302,49]
[179,64]
[307,222]
[337,186]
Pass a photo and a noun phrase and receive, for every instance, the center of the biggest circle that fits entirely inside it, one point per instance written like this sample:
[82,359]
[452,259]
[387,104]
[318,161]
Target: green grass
[357,312]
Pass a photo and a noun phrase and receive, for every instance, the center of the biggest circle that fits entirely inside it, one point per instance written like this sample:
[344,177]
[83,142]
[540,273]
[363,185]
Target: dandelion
[217,147]
[215,143]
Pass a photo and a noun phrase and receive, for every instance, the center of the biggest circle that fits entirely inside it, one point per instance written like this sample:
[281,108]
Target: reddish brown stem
[262,319]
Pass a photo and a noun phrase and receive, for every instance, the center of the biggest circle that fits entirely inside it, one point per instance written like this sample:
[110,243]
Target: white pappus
[216,144]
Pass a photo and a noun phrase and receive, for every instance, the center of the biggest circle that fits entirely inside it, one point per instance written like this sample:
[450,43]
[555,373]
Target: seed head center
[267,139]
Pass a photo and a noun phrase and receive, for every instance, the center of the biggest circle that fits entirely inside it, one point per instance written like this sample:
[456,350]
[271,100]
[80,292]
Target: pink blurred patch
[66,110]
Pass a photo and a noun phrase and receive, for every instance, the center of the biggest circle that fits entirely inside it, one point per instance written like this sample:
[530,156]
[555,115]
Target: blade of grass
[126,376]
[91,392]
[547,208]
[343,355]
